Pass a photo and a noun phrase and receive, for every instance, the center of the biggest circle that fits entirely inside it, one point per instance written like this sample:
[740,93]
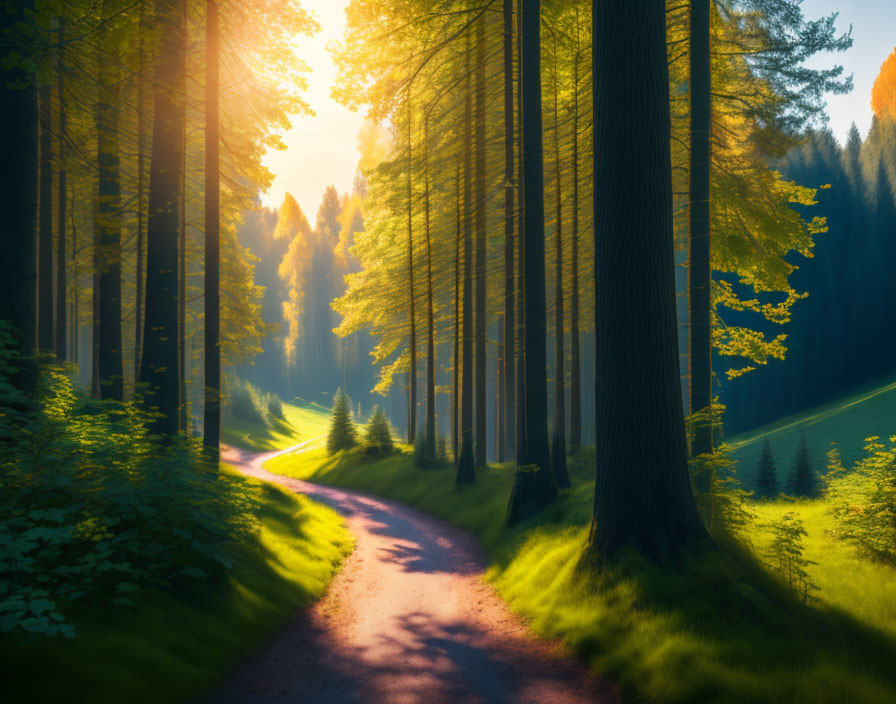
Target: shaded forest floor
[171,647]
[721,629]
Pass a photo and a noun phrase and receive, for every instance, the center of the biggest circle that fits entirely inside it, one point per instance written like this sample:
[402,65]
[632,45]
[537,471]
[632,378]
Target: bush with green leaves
[93,509]
[243,401]
[342,434]
[378,434]
[274,405]
[785,554]
[864,500]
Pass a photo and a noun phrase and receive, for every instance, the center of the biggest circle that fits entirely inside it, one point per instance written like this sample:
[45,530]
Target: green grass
[846,422]
[720,629]
[300,422]
[171,649]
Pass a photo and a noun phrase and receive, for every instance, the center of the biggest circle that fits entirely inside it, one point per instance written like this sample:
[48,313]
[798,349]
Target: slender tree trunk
[520,344]
[537,448]
[159,368]
[508,427]
[141,195]
[499,393]
[430,319]
[183,361]
[412,374]
[211,426]
[110,369]
[76,289]
[643,496]
[480,243]
[61,210]
[45,307]
[575,369]
[699,357]
[455,426]
[558,441]
[19,142]
[466,464]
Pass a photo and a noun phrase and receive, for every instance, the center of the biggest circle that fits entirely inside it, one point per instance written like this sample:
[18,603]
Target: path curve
[408,620]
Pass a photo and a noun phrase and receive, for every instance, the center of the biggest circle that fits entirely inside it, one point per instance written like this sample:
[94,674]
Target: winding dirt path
[408,620]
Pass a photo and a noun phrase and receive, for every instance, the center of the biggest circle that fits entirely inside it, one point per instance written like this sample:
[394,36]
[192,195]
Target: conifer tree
[342,427]
[767,478]
[377,434]
[803,481]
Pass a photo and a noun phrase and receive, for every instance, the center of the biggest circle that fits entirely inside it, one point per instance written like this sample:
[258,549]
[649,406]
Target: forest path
[408,620]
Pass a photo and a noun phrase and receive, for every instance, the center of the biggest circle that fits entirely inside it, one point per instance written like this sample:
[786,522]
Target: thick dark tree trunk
[45,308]
[430,319]
[575,362]
[108,222]
[558,439]
[643,497]
[18,199]
[508,426]
[412,352]
[466,465]
[159,368]
[61,212]
[536,487]
[211,425]
[699,356]
[480,235]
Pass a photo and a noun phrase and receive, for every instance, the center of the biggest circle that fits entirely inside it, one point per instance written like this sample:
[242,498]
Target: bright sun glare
[321,149]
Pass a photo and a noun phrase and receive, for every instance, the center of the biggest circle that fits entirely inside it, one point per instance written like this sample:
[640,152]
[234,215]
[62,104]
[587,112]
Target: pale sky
[323,149]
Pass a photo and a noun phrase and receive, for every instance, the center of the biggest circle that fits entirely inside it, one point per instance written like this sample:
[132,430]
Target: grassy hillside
[300,422]
[722,630]
[169,649]
[846,422]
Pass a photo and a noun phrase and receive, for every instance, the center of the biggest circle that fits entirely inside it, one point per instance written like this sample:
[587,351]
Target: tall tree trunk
[508,427]
[61,210]
[159,368]
[45,307]
[480,235]
[575,362]
[76,289]
[211,426]
[183,361]
[537,448]
[520,332]
[499,393]
[141,194]
[110,369]
[699,357]
[430,320]
[412,374]
[558,441]
[643,496]
[466,464]
[18,199]
[455,411]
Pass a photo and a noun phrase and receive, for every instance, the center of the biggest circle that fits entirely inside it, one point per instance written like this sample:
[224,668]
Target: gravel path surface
[408,620]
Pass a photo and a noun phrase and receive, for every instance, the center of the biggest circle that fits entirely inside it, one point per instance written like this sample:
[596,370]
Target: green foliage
[767,475]
[244,401]
[378,434]
[93,510]
[865,500]
[274,405]
[785,555]
[803,480]
[342,434]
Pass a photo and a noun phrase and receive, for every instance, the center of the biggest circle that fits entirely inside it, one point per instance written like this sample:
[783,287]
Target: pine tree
[342,427]
[767,478]
[377,434]
[803,481]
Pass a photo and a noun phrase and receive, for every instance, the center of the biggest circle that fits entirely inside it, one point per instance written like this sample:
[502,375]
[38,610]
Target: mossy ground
[720,629]
[171,649]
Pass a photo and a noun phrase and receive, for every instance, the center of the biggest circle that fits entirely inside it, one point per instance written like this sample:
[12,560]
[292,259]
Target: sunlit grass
[171,649]
[299,423]
[722,629]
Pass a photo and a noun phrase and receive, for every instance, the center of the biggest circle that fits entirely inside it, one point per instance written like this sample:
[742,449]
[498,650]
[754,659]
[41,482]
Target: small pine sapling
[342,428]
[803,481]
[786,555]
[767,476]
